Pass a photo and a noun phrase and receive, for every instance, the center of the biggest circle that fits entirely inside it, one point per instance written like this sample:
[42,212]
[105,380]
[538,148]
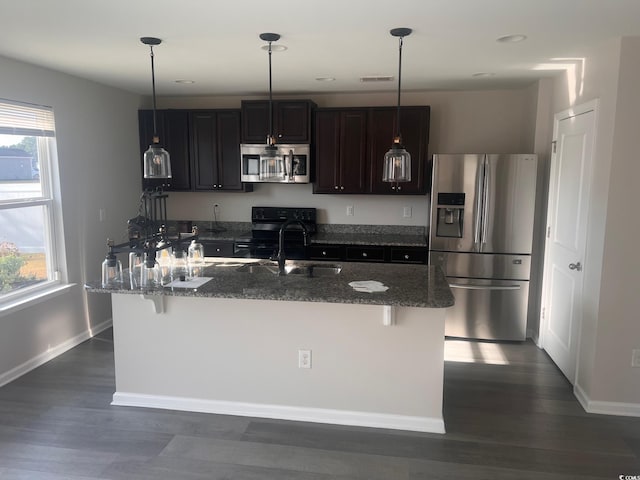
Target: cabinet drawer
[365,254]
[218,248]
[326,252]
[408,255]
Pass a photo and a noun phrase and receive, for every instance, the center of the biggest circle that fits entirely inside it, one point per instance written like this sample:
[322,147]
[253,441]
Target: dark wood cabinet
[351,143]
[414,124]
[368,253]
[291,121]
[173,130]
[341,151]
[204,146]
[215,149]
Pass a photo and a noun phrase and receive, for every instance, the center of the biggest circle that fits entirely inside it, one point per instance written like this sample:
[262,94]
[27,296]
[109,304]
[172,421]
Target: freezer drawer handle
[484,287]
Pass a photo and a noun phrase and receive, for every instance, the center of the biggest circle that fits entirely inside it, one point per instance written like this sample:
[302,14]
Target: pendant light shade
[397,161]
[157,163]
[271,162]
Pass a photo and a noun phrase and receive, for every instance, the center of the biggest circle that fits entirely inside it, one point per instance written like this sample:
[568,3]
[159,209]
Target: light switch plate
[635,358]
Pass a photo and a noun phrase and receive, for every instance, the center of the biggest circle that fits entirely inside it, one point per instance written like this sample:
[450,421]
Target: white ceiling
[215,43]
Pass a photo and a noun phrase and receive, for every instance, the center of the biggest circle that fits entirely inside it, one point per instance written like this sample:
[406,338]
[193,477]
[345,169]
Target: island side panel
[241,357]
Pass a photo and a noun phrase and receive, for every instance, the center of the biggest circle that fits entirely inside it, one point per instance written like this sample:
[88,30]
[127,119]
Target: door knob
[575,266]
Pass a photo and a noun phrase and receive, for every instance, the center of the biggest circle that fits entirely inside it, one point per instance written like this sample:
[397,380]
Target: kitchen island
[234,345]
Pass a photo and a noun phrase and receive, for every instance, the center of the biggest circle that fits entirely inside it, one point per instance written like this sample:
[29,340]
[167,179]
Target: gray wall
[610,327]
[97,140]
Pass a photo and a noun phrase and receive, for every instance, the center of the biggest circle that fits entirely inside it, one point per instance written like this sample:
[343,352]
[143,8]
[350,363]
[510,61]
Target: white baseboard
[605,408]
[51,353]
[303,414]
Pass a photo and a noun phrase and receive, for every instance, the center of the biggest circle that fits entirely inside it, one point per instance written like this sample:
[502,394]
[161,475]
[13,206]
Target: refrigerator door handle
[485,201]
[477,208]
[465,286]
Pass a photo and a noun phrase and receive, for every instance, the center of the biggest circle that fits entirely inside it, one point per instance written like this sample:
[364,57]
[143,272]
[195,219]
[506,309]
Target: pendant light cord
[271,141]
[399,84]
[153,88]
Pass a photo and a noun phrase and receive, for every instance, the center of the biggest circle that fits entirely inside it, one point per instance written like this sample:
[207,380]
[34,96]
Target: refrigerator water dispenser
[450,219]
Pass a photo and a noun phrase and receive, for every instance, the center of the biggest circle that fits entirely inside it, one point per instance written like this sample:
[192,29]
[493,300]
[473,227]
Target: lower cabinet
[368,253]
[217,248]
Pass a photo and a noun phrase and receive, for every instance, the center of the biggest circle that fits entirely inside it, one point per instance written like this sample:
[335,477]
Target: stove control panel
[282,214]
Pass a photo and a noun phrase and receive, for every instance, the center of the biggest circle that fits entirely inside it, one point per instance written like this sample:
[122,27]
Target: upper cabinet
[204,146]
[414,126]
[215,149]
[341,151]
[291,121]
[173,130]
[351,143]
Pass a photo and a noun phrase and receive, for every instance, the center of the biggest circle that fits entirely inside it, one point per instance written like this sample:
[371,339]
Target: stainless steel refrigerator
[482,212]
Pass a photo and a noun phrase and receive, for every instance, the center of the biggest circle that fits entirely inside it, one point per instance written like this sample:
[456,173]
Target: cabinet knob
[341,188]
[219,186]
[364,254]
[399,188]
[324,254]
[336,187]
[406,257]
[218,250]
[393,187]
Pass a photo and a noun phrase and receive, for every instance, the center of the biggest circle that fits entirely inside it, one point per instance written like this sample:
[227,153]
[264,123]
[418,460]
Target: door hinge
[543,312]
[553,146]
[548,232]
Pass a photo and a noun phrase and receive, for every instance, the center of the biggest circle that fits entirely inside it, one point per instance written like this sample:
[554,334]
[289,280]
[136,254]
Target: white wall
[97,139]
[610,327]
[494,121]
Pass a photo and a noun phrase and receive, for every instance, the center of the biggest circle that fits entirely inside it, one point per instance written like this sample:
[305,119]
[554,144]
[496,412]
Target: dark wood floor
[510,416]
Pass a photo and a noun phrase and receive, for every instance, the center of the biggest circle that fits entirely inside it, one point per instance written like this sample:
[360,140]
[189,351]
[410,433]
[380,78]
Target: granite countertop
[421,286]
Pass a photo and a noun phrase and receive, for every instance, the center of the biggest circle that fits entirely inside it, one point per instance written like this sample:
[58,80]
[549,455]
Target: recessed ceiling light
[274,47]
[325,79]
[187,82]
[512,38]
[483,74]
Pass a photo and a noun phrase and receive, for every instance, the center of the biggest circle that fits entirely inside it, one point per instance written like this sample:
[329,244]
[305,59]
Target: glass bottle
[111,271]
[135,269]
[150,276]
[195,253]
[178,265]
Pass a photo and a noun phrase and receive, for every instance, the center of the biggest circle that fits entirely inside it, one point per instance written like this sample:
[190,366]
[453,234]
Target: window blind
[26,119]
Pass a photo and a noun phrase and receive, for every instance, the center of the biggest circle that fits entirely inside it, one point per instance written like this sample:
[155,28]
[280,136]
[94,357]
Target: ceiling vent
[377,78]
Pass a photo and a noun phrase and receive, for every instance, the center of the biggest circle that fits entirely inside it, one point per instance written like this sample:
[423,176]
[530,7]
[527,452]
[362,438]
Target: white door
[570,179]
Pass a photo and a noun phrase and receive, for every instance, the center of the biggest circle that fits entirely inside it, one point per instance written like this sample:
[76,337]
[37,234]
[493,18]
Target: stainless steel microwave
[290,165]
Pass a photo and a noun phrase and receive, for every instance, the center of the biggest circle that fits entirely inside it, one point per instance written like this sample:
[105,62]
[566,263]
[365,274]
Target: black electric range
[262,241]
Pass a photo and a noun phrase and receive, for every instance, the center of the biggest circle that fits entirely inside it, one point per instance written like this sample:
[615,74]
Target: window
[29,262]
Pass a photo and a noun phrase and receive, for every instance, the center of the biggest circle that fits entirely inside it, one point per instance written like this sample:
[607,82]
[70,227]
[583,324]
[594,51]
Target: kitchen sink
[313,270]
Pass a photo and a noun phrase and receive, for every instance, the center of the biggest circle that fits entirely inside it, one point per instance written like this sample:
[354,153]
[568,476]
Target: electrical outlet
[304,358]
[349,210]
[406,212]
[635,357]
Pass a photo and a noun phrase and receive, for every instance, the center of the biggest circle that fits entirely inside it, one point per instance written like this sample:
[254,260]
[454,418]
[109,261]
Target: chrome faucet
[280,257]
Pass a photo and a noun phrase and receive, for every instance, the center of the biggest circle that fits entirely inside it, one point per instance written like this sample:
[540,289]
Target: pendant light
[157,163]
[271,164]
[397,161]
